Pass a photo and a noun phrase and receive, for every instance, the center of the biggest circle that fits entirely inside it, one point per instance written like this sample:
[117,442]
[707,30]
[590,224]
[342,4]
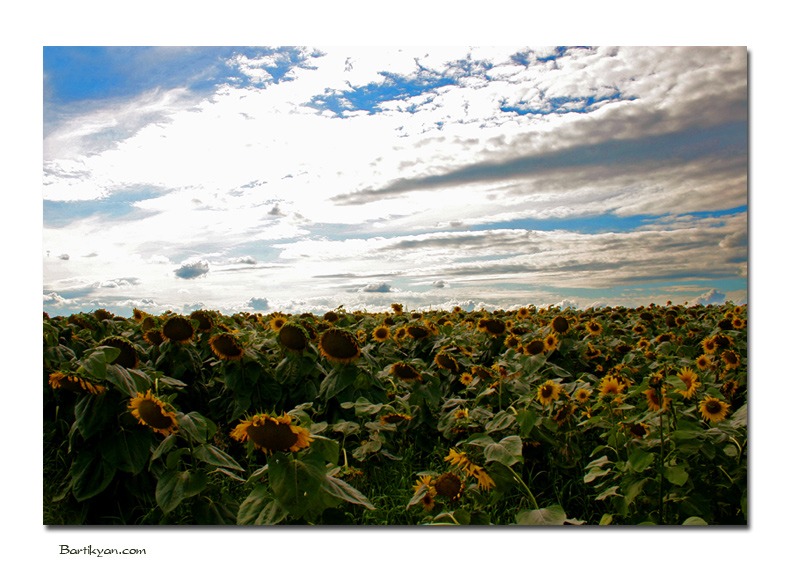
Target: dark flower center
[272,435]
[153,415]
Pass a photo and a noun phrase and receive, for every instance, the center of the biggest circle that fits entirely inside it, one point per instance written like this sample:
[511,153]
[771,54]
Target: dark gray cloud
[720,141]
[192,270]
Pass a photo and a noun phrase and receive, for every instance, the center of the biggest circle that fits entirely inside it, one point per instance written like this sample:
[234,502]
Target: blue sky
[303,178]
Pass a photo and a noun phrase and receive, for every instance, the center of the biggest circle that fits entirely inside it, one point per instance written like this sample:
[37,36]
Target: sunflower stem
[661,467]
[526,488]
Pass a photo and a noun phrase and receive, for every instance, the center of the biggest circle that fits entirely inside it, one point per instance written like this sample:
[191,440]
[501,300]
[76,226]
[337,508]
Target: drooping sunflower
[72,382]
[226,346]
[405,371]
[128,357]
[293,336]
[446,361]
[138,315]
[271,434]
[637,430]
[534,347]
[418,331]
[731,359]
[153,336]
[655,402]
[204,319]
[178,329]
[149,410]
[560,324]
[712,409]
[548,392]
[395,418]
[381,333]
[690,379]
[492,326]
[449,485]
[339,346]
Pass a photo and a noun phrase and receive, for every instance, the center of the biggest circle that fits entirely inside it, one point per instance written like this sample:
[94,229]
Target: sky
[302,178]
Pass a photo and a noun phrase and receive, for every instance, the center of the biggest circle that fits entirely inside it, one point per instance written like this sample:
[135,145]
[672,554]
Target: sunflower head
[610,386]
[418,331]
[75,383]
[548,392]
[466,379]
[128,357]
[226,346]
[560,324]
[690,379]
[203,318]
[395,418]
[446,361]
[271,434]
[492,326]
[149,410]
[535,347]
[153,336]
[730,358]
[339,346]
[712,409]
[381,333]
[177,329]
[449,485]
[550,342]
[582,394]
[277,322]
[405,371]
[293,336]
[657,399]
[593,327]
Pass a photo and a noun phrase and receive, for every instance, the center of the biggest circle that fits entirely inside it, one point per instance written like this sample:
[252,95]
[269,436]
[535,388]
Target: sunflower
[466,379]
[484,480]
[730,358]
[203,318]
[225,346]
[178,329]
[277,322]
[446,361]
[449,485]
[582,394]
[560,324]
[149,410]
[418,331]
[153,336]
[548,392]
[128,357]
[522,313]
[492,326]
[709,345]
[271,434]
[457,459]
[138,315]
[425,483]
[339,346]
[703,362]
[593,327]
[395,418]
[550,342]
[690,379]
[610,386]
[461,413]
[713,409]
[72,382]
[381,333]
[397,308]
[534,347]
[637,430]
[405,371]
[293,336]
[512,341]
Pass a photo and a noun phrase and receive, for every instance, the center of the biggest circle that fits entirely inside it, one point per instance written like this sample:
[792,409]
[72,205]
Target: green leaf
[640,460]
[346,492]
[253,505]
[210,454]
[175,486]
[500,422]
[611,492]
[694,521]
[121,380]
[606,519]
[91,475]
[634,489]
[127,450]
[297,483]
[595,473]
[197,427]
[676,475]
[164,447]
[94,413]
[95,362]
[527,420]
[326,448]
[507,451]
[552,515]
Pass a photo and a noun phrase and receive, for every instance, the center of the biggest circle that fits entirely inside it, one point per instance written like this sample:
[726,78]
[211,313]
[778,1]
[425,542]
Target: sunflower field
[535,416]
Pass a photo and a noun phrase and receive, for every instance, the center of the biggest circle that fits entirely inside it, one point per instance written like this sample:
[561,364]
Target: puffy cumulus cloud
[377,288]
[258,304]
[63,257]
[243,260]
[710,297]
[120,283]
[440,284]
[192,269]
